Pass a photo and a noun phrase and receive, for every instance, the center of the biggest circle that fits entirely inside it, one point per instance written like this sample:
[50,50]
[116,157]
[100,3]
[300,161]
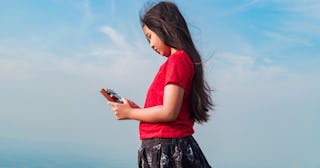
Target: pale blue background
[262,58]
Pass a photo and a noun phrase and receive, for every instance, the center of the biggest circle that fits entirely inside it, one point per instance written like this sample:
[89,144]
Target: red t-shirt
[178,69]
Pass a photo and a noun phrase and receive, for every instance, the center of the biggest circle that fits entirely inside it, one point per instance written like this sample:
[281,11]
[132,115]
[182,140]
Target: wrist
[131,114]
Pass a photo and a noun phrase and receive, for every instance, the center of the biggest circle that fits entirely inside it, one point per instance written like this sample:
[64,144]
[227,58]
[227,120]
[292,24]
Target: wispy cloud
[247,5]
[84,8]
[88,15]
[240,7]
[302,17]
[113,9]
[283,38]
[100,63]
[290,24]
[114,35]
[309,8]
[243,68]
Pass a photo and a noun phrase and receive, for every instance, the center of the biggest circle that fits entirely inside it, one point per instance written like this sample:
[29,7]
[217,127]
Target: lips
[156,51]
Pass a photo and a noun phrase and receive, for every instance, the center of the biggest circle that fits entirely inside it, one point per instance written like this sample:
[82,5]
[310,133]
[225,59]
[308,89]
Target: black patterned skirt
[171,153]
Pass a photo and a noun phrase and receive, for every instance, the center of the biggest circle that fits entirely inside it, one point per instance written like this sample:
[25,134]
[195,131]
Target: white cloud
[65,88]
[113,9]
[114,35]
[256,101]
[302,17]
[287,39]
[308,8]
[99,66]
[240,7]
[298,21]
[249,4]
[83,6]
[231,67]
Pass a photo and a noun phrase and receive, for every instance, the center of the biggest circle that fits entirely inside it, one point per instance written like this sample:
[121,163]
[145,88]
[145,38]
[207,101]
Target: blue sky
[262,59]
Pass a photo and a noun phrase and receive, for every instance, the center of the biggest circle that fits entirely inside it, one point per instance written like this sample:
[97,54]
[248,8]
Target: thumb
[111,103]
[124,100]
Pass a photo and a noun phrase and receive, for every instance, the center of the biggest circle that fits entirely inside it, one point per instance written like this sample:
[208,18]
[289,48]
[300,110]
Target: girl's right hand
[123,110]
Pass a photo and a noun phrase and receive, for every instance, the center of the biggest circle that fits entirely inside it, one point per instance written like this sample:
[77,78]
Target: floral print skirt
[171,153]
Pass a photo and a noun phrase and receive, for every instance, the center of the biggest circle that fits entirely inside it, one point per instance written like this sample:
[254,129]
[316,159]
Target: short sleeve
[180,70]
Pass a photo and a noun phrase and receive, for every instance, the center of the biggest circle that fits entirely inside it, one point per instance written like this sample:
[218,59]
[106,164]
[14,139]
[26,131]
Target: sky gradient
[261,57]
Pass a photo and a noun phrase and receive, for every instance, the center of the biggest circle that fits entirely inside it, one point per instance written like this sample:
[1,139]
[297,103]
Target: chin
[165,54]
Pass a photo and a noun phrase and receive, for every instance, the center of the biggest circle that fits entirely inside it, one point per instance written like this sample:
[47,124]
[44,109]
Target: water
[20,154]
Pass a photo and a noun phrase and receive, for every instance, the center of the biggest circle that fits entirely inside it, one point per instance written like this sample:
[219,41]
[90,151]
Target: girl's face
[156,43]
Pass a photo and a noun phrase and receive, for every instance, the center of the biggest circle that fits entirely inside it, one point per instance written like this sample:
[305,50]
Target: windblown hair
[166,20]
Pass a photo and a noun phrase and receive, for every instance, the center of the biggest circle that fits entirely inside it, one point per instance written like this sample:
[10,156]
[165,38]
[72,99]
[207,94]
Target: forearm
[167,112]
[152,114]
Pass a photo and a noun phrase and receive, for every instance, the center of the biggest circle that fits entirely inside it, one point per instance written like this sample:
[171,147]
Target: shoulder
[180,63]
[180,56]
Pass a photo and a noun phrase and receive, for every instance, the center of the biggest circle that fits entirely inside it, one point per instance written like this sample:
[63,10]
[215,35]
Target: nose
[151,45]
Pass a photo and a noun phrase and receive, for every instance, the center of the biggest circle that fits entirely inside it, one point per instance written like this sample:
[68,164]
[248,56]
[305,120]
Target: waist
[165,141]
[148,130]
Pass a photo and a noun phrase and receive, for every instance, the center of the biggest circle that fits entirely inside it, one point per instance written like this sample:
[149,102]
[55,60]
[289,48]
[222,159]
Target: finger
[117,116]
[124,100]
[111,103]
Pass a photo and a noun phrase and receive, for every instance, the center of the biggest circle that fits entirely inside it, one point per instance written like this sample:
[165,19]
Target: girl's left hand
[122,111]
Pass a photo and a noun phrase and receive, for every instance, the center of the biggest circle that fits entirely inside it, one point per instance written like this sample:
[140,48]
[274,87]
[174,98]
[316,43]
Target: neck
[173,50]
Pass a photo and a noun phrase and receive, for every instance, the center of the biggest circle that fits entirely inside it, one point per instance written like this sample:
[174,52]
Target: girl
[177,97]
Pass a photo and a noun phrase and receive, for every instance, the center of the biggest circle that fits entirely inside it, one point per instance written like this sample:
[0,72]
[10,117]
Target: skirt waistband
[165,141]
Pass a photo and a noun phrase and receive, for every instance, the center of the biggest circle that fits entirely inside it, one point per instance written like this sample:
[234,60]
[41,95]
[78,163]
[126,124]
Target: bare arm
[169,111]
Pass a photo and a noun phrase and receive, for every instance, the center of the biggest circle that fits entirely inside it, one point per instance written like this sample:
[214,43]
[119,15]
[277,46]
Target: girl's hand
[122,111]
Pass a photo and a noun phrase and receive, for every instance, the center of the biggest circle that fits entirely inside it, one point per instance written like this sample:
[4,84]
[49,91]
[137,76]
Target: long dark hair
[165,19]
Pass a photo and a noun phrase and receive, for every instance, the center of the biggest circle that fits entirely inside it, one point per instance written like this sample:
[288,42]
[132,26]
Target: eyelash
[148,37]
